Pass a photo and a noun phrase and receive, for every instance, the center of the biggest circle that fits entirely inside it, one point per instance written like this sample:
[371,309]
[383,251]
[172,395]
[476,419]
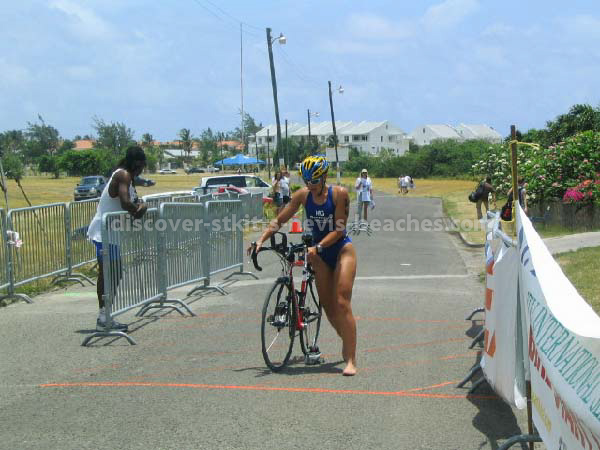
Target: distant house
[231,145]
[83,144]
[372,137]
[482,131]
[369,137]
[426,134]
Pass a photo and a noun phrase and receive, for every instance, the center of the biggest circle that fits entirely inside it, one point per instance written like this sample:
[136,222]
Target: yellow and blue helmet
[313,168]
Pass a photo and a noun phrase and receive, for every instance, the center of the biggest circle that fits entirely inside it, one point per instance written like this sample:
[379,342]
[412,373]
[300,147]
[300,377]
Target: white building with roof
[369,137]
[426,134]
[481,131]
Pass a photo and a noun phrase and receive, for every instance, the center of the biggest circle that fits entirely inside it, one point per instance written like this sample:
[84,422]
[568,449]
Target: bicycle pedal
[312,359]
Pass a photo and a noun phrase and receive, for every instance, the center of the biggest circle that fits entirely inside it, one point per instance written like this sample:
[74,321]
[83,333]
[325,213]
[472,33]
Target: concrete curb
[467,242]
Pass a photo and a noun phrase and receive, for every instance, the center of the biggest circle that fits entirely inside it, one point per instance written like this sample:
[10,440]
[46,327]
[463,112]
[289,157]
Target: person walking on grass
[118,195]
[486,189]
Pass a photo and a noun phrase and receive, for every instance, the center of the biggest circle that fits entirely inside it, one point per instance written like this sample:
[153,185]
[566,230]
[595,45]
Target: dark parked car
[89,187]
[140,181]
[194,170]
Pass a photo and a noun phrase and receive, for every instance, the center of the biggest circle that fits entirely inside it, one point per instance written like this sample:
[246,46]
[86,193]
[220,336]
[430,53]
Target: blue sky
[159,66]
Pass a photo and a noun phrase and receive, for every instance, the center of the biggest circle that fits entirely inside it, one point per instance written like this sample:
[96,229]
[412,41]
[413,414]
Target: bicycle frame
[289,261]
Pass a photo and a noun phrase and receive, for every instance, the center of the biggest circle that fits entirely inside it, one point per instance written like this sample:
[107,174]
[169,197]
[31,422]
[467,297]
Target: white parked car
[251,183]
[166,171]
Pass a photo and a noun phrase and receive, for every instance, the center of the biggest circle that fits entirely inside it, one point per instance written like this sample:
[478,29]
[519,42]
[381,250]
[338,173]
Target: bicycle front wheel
[278,326]
[311,317]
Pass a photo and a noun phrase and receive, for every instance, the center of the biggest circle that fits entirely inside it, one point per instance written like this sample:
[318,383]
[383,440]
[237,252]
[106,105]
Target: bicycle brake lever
[255,258]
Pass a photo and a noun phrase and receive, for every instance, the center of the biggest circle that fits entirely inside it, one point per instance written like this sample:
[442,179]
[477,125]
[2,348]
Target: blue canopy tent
[238,160]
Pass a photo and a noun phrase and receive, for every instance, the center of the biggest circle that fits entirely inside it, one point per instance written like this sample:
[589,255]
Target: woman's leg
[344,275]
[365,207]
[325,289]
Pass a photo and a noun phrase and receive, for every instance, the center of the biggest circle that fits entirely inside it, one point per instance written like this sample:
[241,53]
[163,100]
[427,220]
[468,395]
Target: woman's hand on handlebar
[311,254]
[254,246]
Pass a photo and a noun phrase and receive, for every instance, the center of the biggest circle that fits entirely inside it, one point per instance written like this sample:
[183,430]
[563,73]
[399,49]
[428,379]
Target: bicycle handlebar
[281,249]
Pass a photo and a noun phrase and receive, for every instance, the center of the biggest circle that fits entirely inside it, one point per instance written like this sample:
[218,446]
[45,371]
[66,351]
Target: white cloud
[448,13]
[491,54]
[582,26]
[13,74]
[83,21]
[79,72]
[371,26]
[345,46]
[498,30]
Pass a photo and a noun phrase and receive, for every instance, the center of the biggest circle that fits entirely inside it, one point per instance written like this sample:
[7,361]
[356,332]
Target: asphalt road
[201,382]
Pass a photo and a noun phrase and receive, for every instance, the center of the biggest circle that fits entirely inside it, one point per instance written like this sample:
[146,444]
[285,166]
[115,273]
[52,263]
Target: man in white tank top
[118,195]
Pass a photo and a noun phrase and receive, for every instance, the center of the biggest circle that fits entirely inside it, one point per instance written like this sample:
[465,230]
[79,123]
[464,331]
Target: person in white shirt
[402,182]
[406,184]
[284,185]
[118,195]
[364,189]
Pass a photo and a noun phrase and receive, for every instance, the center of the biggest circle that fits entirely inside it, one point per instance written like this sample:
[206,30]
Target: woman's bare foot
[350,369]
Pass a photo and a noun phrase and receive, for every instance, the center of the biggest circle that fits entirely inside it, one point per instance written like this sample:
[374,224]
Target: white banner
[563,348]
[501,367]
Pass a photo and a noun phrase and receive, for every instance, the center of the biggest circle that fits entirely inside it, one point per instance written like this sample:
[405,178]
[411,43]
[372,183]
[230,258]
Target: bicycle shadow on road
[297,367]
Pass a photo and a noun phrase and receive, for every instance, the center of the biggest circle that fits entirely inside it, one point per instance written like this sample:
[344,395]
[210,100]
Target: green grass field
[581,267]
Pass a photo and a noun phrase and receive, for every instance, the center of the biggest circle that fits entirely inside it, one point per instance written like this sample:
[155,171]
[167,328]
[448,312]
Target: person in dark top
[484,198]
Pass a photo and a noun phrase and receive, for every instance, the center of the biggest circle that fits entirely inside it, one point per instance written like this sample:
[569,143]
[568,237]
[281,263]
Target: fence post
[10,257]
[206,252]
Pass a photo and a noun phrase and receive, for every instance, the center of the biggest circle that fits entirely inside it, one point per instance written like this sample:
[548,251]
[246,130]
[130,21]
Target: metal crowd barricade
[154,202]
[256,207]
[81,250]
[182,249]
[4,263]
[225,239]
[185,199]
[131,266]
[43,232]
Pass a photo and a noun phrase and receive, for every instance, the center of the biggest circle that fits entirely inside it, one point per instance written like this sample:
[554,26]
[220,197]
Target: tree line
[449,158]
[41,148]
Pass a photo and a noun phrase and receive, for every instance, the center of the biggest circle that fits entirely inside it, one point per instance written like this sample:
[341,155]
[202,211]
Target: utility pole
[242,87]
[286,159]
[222,162]
[256,148]
[309,146]
[3,184]
[274,83]
[268,155]
[337,162]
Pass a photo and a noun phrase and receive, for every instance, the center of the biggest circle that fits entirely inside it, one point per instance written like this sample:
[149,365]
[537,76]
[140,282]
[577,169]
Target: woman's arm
[285,215]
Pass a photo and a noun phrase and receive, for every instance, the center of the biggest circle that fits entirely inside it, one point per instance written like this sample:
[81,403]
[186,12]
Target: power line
[233,17]
[225,22]
[297,70]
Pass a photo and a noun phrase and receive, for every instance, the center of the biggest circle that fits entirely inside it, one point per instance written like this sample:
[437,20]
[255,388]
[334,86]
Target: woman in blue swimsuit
[333,257]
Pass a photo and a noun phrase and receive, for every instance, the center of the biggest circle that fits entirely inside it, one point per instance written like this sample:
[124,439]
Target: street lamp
[340,90]
[314,114]
[282,40]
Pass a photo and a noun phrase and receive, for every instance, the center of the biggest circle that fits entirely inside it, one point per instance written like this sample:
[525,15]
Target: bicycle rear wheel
[311,316]
[278,326]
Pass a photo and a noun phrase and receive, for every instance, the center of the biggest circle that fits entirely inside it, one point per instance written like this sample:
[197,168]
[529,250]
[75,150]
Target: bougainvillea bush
[569,170]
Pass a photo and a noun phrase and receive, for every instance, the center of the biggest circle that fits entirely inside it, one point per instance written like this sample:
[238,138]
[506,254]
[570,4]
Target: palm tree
[186,141]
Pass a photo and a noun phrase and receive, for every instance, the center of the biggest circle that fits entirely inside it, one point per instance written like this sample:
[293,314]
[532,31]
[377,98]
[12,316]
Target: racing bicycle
[287,311]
